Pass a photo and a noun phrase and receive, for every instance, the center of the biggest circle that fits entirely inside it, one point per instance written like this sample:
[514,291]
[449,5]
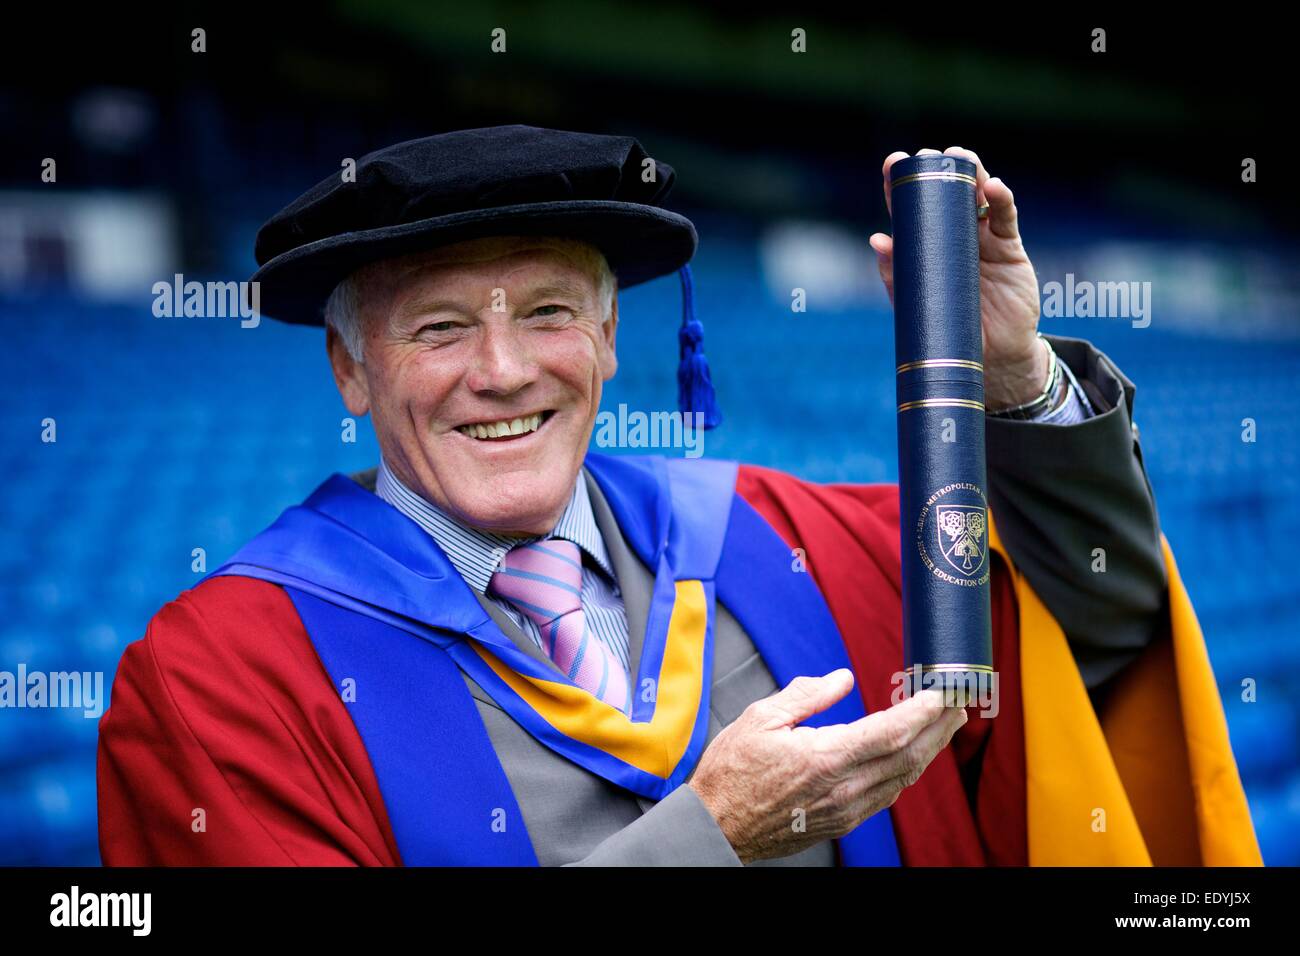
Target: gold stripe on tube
[941,363]
[941,403]
[937,175]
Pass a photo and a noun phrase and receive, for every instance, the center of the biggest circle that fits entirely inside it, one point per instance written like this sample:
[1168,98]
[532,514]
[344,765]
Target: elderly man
[497,648]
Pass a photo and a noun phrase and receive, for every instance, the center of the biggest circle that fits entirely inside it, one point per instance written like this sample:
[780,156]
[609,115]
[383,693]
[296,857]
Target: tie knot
[544,578]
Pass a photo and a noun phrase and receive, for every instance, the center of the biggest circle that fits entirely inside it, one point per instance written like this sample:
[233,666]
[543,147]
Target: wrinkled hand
[761,770]
[1015,362]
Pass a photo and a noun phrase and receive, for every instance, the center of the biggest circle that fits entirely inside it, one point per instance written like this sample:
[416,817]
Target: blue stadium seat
[183,434]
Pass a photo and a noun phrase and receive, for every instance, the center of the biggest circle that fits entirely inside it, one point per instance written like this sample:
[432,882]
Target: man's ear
[349,374]
[609,360]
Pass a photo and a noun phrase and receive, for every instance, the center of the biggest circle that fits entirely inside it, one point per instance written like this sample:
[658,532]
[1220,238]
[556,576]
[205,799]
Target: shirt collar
[475,554]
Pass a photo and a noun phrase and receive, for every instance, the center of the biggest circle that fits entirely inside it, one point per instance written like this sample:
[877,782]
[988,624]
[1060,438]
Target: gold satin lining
[1158,760]
[655,747]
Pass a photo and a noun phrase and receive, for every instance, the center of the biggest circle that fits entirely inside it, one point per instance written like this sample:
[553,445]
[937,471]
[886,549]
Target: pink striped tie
[544,580]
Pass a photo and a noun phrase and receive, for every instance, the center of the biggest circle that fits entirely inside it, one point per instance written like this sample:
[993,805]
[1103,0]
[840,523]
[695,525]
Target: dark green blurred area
[1157,125]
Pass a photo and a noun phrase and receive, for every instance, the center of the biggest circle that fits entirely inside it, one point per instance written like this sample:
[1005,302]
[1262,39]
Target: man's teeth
[510,426]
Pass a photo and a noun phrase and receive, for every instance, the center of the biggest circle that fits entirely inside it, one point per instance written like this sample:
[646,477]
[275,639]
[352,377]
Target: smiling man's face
[482,371]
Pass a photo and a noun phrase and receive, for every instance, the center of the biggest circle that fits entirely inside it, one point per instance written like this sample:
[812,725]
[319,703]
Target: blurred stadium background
[176,434]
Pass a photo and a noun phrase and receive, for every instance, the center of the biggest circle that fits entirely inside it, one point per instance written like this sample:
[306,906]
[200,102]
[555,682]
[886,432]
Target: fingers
[881,243]
[879,784]
[981,174]
[866,790]
[991,190]
[1003,221]
[883,246]
[1002,217]
[803,697]
[885,731]
[880,794]
[889,161]
[911,761]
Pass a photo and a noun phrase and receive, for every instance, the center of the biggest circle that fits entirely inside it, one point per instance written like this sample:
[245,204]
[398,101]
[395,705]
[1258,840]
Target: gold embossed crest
[962,531]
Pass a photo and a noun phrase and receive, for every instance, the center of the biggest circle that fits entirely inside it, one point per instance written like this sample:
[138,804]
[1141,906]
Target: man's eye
[540,310]
[439,327]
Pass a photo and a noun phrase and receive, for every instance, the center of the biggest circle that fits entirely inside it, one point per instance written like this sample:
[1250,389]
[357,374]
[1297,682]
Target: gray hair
[343,307]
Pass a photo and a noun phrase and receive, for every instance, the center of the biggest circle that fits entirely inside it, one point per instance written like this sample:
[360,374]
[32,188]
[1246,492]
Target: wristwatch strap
[1048,399]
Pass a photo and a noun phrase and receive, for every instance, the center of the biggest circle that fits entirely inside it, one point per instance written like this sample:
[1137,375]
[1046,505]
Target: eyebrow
[558,287]
[564,288]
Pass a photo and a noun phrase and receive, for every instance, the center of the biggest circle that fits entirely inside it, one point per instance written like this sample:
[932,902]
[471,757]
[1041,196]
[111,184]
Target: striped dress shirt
[476,555]
[1074,409]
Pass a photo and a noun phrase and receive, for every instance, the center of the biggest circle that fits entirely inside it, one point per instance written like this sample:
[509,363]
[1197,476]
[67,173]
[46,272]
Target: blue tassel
[694,383]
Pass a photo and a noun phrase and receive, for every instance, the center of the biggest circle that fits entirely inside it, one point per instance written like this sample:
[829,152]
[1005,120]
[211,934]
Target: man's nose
[502,363]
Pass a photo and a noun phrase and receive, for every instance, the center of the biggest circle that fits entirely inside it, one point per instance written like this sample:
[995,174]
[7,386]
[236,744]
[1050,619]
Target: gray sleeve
[1059,493]
[679,830]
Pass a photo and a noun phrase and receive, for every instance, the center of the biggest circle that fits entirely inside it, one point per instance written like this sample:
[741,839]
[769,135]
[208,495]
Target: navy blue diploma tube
[947,628]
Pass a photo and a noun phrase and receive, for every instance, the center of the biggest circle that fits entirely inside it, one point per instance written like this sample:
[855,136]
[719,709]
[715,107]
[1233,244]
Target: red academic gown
[226,742]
